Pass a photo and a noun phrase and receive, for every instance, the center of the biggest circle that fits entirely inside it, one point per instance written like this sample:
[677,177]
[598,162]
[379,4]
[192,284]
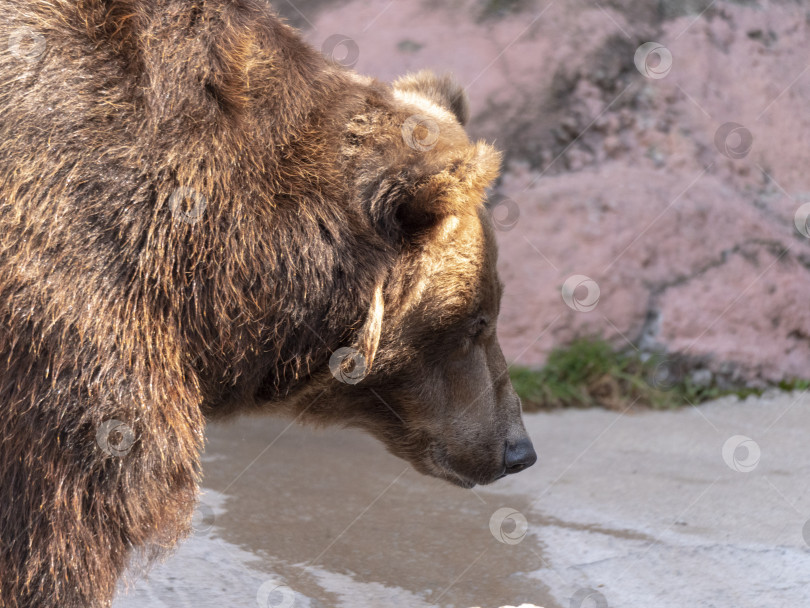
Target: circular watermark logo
[505,214]
[806,532]
[508,526]
[586,301]
[801,219]
[341,49]
[733,140]
[741,453]
[348,365]
[115,437]
[588,598]
[202,520]
[653,60]
[26,44]
[420,132]
[662,374]
[272,594]
[187,205]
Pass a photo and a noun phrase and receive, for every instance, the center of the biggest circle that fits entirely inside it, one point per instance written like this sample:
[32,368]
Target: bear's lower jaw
[467,484]
[435,462]
[447,473]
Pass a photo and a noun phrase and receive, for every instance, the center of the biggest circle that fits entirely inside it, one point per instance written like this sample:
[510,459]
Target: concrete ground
[702,507]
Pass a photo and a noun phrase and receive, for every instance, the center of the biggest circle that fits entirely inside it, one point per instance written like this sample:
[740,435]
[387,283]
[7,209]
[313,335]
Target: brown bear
[200,214]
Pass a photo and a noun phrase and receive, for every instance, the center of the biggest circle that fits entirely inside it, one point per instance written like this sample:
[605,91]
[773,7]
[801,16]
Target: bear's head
[426,374]
[322,162]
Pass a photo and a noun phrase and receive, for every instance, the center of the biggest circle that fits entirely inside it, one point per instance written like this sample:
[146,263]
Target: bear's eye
[479,326]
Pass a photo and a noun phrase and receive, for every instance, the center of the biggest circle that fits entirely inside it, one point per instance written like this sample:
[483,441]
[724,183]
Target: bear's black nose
[519,455]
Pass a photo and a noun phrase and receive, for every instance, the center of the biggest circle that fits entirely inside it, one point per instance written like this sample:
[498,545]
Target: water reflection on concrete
[338,522]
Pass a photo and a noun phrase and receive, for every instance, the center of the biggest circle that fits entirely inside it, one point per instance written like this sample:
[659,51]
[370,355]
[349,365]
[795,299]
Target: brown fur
[321,229]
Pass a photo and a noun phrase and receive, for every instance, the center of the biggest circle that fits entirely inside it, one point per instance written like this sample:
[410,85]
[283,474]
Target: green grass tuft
[589,372]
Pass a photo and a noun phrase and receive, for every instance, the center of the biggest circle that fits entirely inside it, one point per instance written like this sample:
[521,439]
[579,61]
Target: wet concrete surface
[623,509]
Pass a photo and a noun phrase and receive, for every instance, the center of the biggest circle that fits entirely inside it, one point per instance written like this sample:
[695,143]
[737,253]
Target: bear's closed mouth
[457,480]
[467,483]
[441,468]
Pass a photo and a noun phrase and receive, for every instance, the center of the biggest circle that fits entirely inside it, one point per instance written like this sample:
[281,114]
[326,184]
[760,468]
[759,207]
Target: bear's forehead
[456,268]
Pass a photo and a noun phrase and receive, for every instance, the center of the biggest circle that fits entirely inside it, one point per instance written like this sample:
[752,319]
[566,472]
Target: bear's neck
[306,264]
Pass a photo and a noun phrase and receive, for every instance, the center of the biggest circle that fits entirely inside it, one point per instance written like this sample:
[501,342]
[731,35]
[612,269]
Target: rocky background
[654,190]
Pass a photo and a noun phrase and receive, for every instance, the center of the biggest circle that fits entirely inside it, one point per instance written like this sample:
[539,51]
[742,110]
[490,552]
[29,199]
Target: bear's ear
[410,201]
[444,91]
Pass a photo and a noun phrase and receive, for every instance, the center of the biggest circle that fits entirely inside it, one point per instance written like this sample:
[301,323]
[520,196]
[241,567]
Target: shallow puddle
[301,518]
